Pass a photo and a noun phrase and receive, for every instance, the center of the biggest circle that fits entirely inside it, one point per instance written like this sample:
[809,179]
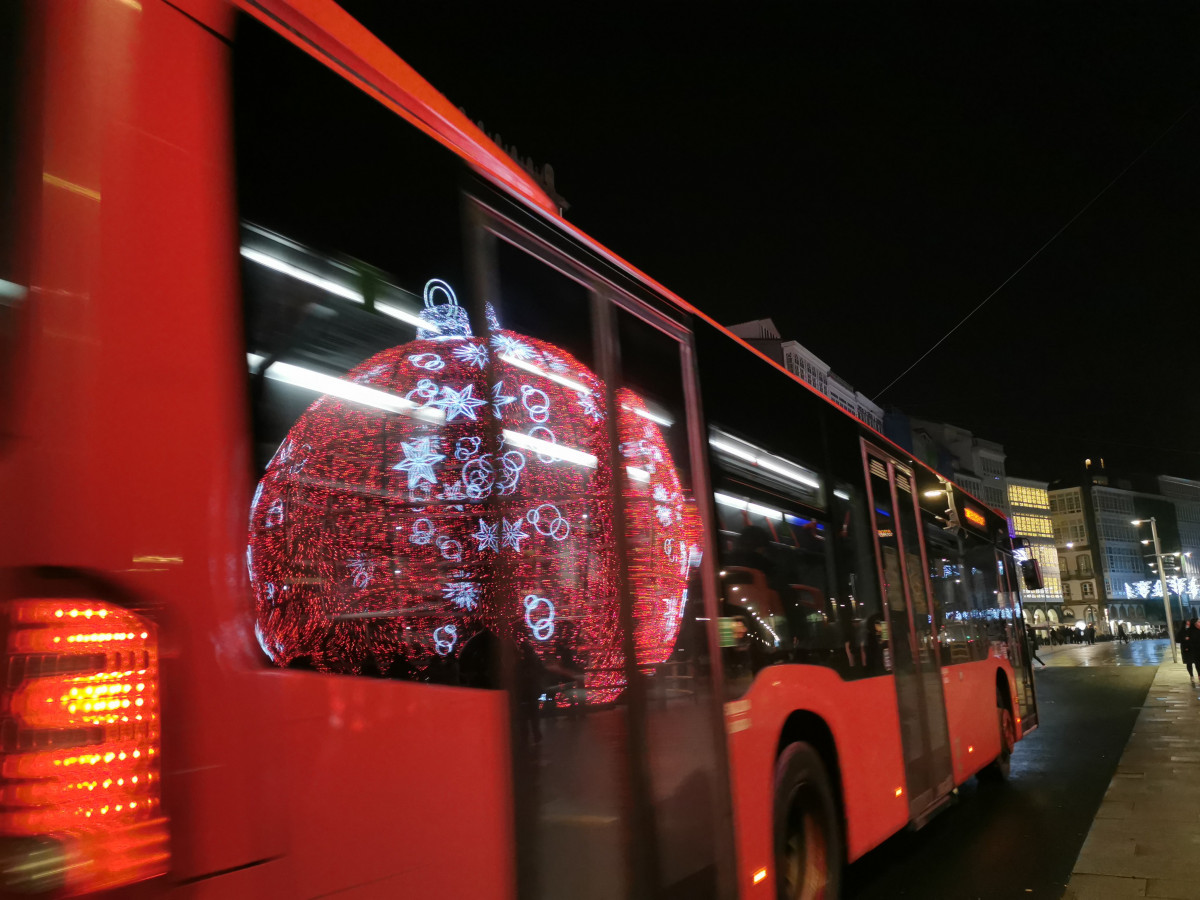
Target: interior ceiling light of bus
[389,544]
[760,460]
[767,512]
[319,383]
[338,290]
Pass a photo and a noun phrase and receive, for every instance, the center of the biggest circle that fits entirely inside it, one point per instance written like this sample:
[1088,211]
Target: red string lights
[468,489]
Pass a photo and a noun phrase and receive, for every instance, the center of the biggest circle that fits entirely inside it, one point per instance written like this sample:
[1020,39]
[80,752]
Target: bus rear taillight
[79,733]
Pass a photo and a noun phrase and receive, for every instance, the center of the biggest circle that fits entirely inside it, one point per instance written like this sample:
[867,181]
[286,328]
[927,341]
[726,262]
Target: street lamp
[1162,581]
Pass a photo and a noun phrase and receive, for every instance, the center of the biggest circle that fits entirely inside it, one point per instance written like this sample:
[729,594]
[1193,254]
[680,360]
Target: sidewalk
[1145,840]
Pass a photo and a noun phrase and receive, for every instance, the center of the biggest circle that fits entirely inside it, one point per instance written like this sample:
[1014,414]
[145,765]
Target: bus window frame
[484,221]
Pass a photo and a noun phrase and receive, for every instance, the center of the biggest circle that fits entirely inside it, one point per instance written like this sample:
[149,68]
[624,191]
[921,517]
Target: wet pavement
[1024,838]
[1145,840]
[1107,653]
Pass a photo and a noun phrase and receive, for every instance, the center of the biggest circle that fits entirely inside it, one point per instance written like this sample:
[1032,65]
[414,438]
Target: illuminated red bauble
[467,487]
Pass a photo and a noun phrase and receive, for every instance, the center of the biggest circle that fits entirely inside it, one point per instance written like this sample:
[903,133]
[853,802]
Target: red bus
[369,530]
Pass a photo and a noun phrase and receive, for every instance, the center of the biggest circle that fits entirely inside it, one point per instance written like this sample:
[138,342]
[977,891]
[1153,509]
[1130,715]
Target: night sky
[865,175]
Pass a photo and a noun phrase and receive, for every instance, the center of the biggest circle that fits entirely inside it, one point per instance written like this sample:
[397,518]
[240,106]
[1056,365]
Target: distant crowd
[1063,634]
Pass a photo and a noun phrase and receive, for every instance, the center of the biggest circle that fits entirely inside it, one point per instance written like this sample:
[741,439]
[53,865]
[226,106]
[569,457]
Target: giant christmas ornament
[470,490]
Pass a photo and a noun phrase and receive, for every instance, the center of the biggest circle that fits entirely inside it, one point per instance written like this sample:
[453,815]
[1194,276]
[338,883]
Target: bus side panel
[130,461]
[863,719]
[399,788]
[970,690]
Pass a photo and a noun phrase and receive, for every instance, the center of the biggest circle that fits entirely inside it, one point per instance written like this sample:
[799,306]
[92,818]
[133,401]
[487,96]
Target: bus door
[903,573]
[619,777]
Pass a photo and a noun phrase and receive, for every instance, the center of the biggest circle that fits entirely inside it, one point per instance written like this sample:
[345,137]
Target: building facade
[976,464]
[1107,562]
[800,361]
[1076,546]
[1029,518]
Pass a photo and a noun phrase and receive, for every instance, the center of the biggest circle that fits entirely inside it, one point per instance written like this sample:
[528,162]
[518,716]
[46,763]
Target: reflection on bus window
[797,579]
[867,646]
[452,486]
[968,596]
[779,604]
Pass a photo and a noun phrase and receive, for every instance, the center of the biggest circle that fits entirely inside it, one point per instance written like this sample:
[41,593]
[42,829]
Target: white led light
[530,367]
[546,448]
[763,459]
[726,500]
[11,291]
[291,271]
[636,474]
[733,450]
[338,290]
[646,414]
[404,316]
[765,511]
[758,509]
[841,495]
[346,390]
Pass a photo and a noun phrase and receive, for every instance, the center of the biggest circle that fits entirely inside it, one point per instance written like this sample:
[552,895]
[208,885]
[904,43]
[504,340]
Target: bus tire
[808,834]
[998,768]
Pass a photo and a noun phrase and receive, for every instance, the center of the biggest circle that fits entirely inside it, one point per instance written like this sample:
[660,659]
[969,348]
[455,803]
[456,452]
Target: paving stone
[1167,889]
[1101,887]
[1145,840]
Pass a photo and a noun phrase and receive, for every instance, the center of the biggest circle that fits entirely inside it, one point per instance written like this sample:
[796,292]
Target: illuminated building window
[1020,495]
[1033,525]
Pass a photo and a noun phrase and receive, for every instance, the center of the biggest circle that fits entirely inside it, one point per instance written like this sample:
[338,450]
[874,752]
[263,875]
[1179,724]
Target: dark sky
[867,174]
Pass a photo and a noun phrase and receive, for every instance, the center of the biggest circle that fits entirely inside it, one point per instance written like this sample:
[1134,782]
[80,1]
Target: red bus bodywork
[125,477]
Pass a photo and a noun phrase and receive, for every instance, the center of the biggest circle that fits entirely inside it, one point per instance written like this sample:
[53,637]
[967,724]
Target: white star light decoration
[485,537]
[513,535]
[418,462]
[500,399]
[458,403]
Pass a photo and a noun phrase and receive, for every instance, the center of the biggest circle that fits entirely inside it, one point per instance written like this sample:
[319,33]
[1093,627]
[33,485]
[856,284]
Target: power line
[1039,250]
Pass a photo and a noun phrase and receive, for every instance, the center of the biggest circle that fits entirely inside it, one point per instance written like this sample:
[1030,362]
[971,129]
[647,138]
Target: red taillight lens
[81,740]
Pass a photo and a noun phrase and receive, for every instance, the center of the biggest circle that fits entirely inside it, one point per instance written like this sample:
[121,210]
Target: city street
[1022,838]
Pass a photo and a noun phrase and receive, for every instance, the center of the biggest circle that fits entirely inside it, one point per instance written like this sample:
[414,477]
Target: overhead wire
[1039,250]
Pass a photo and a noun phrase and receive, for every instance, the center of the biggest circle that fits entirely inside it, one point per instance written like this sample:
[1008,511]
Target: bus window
[362,382]
[776,564]
[13,190]
[663,544]
[963,633]
[574,778]
[864,627]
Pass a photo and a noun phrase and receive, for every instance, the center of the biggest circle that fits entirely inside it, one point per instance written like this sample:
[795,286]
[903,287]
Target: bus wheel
[808,839]
[998,768]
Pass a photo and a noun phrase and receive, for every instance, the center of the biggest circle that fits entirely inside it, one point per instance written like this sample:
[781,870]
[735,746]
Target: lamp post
[1162,581]
[1178,590]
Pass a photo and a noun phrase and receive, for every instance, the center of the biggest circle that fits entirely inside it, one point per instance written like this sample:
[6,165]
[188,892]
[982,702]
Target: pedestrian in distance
[1031,645]
[1189,649]
[1121,636]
